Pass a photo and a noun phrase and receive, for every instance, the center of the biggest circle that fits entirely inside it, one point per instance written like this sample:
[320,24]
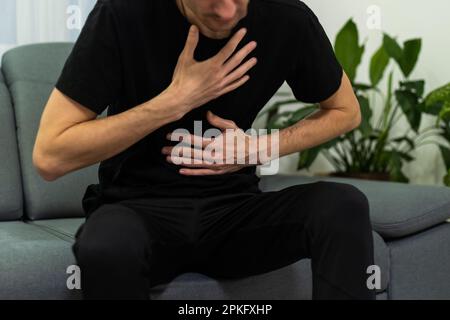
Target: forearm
[90,142]
[320,127]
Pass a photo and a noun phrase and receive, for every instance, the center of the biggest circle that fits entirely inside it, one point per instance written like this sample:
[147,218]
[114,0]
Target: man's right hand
[196,83]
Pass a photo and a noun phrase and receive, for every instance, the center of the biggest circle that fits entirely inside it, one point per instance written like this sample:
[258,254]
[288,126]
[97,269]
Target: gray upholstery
[22,68]
[35,63]
[10,186]
[397,209]
[33,263]
[62,228]
[411,240]
[420,265]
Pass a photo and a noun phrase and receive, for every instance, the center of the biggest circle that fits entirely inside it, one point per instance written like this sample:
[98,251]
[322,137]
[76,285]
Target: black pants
[127,247]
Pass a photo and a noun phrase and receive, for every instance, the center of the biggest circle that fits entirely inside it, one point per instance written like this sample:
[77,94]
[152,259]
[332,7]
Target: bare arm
[70,137]
[337,115]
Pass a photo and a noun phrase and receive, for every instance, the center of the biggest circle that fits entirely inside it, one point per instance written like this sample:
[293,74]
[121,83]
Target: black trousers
[125,248]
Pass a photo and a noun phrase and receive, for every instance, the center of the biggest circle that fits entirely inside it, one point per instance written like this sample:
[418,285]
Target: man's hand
[227,152]
[196,83]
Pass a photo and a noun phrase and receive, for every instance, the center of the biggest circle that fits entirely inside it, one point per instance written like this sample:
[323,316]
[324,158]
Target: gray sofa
[38,219]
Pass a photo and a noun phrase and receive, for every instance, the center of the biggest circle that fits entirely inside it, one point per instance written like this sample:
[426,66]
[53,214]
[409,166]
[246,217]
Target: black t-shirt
[127,52]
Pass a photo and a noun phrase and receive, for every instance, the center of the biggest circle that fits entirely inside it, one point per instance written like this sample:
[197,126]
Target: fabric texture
[420,265]
[126,55]
[33,264]
[10,186]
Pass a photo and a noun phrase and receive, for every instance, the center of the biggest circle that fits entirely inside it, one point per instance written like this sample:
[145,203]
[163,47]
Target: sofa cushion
[397,209]
[31,72]
[35,62]
[63,228]
[10,186]
[420,265]
[197,286]
[33,263]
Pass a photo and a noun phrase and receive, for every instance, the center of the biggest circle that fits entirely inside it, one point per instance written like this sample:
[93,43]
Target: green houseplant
[438,103]
[372,150]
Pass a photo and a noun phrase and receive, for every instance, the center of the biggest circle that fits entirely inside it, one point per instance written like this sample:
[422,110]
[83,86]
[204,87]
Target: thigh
[139,229]
[255,234]
[265,231]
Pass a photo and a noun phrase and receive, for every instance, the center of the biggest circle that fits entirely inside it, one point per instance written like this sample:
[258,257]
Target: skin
[70,136]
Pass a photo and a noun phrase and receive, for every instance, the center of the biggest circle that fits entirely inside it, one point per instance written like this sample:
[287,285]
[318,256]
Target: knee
[109,238]
[347,210]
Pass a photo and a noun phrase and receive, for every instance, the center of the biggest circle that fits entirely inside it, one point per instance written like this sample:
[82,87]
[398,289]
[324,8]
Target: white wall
[405,19]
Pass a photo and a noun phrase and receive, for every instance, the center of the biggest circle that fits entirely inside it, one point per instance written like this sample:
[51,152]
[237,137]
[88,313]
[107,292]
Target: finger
[237,59]
[241,71]
[191,42]
[234,85]
[191,140]
[201,172]
[185,152]
[231,46]
[219,122]
[188,162]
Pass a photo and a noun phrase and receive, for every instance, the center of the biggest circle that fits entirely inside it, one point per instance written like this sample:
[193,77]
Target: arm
[70,138]
[338,114]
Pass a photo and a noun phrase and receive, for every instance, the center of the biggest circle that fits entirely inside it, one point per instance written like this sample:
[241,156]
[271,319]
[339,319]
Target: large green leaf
[405,57]
[418,86]
[392,48]
[410,105]
[347,48]
[411,51]
[437,100]
[378,65]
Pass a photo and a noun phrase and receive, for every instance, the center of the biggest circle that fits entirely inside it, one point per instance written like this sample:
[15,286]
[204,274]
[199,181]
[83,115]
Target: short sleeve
[92,73]
[316,74]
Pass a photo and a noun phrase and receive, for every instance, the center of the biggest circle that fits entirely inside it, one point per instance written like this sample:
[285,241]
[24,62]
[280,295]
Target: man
[162,65]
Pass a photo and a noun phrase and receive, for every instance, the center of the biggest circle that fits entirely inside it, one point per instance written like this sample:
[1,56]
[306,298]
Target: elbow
[46,166]
[355,118]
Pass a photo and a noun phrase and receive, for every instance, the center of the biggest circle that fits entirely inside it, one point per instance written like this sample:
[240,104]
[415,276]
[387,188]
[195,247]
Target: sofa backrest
[30,73]
[10,184]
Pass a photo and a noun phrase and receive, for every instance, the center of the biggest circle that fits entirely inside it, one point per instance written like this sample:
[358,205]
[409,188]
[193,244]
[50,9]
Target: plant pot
[362,175]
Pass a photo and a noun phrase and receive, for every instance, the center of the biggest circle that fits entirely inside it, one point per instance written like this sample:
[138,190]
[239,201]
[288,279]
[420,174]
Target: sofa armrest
[396,209]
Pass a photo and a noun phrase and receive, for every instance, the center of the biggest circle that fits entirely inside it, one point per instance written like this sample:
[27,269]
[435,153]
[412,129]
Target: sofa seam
[61,235]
